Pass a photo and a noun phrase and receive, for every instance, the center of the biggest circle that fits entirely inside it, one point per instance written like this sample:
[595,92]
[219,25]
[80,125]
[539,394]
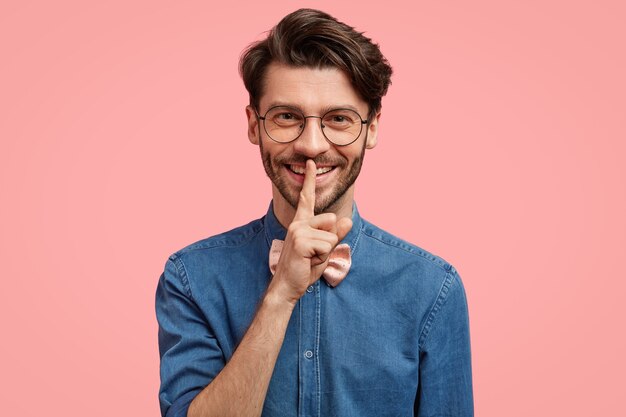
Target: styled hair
[312,38]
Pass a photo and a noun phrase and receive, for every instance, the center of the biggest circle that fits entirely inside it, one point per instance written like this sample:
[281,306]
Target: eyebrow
[322,110]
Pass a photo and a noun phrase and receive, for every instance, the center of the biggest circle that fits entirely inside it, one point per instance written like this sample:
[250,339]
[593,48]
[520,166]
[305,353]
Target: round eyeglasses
[285,124]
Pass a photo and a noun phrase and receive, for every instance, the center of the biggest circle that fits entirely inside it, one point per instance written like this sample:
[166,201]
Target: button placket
[308,362]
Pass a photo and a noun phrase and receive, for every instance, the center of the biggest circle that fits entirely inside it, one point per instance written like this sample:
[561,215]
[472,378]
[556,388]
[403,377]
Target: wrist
[278,295]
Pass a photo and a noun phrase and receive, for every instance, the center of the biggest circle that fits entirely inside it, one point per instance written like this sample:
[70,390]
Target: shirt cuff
[181,405]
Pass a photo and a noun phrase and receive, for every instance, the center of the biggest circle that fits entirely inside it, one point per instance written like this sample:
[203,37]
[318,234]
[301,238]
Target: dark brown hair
[312,38]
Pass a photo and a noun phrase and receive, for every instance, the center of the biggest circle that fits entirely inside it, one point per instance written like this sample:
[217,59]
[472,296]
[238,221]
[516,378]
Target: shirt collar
[274,230]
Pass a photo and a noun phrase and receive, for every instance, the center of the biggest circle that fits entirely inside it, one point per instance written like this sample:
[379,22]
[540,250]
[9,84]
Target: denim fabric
[392,339]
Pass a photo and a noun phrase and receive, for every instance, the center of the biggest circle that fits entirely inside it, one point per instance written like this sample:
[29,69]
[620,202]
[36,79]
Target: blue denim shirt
[392,339]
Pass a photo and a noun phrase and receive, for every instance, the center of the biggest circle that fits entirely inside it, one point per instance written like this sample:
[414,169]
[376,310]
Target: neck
[285,212]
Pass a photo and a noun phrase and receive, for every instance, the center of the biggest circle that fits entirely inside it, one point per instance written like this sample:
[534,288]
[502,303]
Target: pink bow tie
[338,264]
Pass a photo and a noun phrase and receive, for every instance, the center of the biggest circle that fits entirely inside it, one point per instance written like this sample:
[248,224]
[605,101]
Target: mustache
[301,159]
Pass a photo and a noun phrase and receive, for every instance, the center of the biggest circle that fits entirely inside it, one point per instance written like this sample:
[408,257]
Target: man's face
[313,91]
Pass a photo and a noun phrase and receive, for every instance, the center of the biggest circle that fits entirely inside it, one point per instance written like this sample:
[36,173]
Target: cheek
[273,156]
[354,155]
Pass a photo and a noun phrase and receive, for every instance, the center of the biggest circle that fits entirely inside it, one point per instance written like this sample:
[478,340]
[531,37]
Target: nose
[312,141]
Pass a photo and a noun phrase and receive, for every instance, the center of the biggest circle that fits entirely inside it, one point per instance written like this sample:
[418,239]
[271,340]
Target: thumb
[343,227]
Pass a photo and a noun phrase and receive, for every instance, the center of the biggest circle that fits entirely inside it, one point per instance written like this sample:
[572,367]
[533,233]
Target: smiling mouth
[300,169]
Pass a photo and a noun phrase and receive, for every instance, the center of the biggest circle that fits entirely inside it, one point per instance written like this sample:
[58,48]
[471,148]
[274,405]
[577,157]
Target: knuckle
[328,247]
[299,245]
[296,237]
[292,228]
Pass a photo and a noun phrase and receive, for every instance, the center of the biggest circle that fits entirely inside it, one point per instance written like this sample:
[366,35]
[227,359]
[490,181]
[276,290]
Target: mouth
[297,171]
[300,169]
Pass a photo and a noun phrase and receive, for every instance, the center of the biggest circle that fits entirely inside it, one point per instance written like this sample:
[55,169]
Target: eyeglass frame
[363,122]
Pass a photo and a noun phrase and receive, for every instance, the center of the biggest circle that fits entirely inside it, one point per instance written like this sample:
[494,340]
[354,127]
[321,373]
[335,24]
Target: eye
[340,119]
[285,116]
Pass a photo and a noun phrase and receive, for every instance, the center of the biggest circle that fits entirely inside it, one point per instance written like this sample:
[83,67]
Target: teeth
[323,170]
[300,169]
[297,169]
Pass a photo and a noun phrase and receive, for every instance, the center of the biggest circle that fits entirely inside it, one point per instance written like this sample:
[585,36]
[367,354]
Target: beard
[347,177]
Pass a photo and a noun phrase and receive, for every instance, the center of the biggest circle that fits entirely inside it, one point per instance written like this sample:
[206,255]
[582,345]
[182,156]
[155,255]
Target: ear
[372,132]
[253,125]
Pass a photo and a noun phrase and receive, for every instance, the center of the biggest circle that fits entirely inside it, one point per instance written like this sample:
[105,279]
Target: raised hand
[310,240]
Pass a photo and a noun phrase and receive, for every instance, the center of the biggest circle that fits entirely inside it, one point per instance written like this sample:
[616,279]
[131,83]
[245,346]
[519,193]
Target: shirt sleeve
[189,352]
[445,374]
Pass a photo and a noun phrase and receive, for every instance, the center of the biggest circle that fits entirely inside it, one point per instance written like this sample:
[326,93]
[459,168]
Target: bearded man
[311,310]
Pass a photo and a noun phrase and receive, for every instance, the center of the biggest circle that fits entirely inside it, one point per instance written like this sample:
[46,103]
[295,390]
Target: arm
[445,387]
[191,357]
[240,388]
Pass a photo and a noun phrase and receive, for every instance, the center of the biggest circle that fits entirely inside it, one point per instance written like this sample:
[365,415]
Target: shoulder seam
[214,241]
[441,299]
[182,273]
[207,243]
[447,267]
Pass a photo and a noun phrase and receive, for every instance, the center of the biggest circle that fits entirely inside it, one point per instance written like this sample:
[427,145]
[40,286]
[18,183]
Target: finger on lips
[306,204]
[325,230]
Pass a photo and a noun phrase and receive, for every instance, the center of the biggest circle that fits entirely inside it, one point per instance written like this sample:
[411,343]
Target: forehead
[310,89]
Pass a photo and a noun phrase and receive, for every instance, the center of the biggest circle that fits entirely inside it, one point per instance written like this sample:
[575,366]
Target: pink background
[501,149]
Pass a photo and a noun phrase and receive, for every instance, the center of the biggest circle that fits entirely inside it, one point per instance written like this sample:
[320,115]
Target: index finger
[306,204]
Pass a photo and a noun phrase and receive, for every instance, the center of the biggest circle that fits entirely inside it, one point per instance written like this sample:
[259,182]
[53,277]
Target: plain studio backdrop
[502,146]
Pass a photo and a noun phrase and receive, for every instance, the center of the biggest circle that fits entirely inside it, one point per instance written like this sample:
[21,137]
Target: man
[263,319]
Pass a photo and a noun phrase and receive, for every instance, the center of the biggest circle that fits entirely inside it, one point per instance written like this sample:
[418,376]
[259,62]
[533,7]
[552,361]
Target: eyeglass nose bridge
[314,117]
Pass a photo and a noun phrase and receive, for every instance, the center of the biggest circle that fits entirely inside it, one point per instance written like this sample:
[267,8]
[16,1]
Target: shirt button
[310,289]
[308,354]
